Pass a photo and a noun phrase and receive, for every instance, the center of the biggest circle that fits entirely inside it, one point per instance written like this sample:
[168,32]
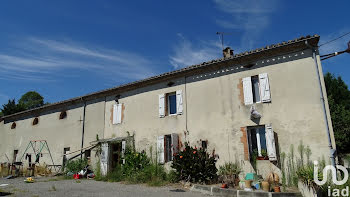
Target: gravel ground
[55,187]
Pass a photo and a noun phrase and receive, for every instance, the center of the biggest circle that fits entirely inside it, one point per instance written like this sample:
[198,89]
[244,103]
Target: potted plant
[229,173]
[265,186]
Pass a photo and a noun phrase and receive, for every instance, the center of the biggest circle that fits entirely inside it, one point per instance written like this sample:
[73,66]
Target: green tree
[339,105]
[1,114]
[31,100]
[11,107]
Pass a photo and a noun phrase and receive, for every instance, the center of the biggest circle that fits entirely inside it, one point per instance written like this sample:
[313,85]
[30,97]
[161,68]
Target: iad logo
[334,174]
[334,192]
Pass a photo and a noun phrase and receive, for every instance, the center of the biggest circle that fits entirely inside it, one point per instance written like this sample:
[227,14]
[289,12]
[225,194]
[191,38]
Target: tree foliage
[31,100]
[339,105]
[28,100]
[11,108]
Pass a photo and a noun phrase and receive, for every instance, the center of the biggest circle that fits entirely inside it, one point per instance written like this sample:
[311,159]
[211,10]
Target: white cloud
[249,16]
[40,59]
[187,53]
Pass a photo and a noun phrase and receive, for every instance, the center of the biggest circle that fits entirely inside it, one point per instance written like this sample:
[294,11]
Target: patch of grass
[78,181]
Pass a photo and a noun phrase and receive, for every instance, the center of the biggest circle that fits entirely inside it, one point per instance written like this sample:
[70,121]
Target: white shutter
[119,113]
[179,106]
[104,159]
[247,91]
[160,149]
[123,150]
[115,113]
[270,143]
[264,87]
[174,144]
[161,105]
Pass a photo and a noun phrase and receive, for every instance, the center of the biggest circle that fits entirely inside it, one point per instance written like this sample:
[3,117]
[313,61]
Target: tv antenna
[221,36]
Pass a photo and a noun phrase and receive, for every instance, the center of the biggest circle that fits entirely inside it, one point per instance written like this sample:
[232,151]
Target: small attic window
[13,126]
[63,115]
[35,121]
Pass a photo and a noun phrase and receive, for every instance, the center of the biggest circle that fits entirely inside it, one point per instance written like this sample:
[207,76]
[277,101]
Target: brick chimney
[227,52]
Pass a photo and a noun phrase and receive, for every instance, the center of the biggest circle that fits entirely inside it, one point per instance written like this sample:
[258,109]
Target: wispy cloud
[40,59]
[187,53]
[250,17]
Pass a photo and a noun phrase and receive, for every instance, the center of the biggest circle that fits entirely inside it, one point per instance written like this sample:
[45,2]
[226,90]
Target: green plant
[284,180]
[230,168]
[195,165]
[253,158]
[75,166]
[263,152]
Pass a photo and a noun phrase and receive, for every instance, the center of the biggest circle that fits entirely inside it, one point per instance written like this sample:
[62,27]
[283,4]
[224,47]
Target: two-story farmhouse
[258,102]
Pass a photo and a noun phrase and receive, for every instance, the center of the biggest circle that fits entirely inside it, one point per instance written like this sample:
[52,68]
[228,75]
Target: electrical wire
[334,39]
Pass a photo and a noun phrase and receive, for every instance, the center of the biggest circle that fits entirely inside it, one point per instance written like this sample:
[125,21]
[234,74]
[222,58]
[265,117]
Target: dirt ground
[59,187]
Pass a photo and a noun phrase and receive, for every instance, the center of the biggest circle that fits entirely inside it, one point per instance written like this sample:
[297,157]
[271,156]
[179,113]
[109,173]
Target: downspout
[332,151]
[82,135]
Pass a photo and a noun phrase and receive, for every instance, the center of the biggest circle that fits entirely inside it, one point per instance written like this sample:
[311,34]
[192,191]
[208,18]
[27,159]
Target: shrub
[230,169]
[195,165]
[75,166]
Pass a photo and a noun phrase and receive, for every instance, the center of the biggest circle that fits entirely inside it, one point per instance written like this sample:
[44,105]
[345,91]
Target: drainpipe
[82,135]
[332,151]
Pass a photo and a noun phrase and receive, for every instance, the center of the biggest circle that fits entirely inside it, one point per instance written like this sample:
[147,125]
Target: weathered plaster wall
[213,109]
[58,133]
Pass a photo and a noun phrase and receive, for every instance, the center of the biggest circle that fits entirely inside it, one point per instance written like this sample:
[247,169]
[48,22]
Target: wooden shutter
[247,91]
[174,144]
[160,149]
[264,88]
[270,143]
[161,105]
[119,113]
[104,159]
[123,150]
[179,105]
[115,113]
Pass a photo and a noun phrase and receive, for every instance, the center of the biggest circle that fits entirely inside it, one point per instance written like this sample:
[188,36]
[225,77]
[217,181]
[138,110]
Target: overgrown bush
[138,168]
[195,165]
[230,169]
[75,166]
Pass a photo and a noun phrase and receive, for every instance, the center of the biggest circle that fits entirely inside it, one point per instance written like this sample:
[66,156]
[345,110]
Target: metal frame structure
[38,146]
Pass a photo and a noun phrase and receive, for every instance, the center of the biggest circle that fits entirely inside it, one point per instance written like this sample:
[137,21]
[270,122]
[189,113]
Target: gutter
[331,149]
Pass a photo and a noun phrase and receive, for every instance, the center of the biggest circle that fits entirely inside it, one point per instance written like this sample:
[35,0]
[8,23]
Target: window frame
[168,104]
[250,142]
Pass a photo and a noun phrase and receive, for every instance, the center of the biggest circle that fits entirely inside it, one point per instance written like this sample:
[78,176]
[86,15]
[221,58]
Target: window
[204,144]
[167,146]
[261,142]
[87,154]
[13,126]
[36,121]
[257,141]
[170,104]
[15,153]
[65,157]
[256,89]
[63,115]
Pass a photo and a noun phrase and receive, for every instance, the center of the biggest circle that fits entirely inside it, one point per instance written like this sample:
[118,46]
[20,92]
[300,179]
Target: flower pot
[277,189]
[248,183]
[265,186]
[236,182]
[224,185]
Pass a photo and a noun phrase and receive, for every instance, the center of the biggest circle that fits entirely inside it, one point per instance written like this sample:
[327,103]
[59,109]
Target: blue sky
[65,49]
